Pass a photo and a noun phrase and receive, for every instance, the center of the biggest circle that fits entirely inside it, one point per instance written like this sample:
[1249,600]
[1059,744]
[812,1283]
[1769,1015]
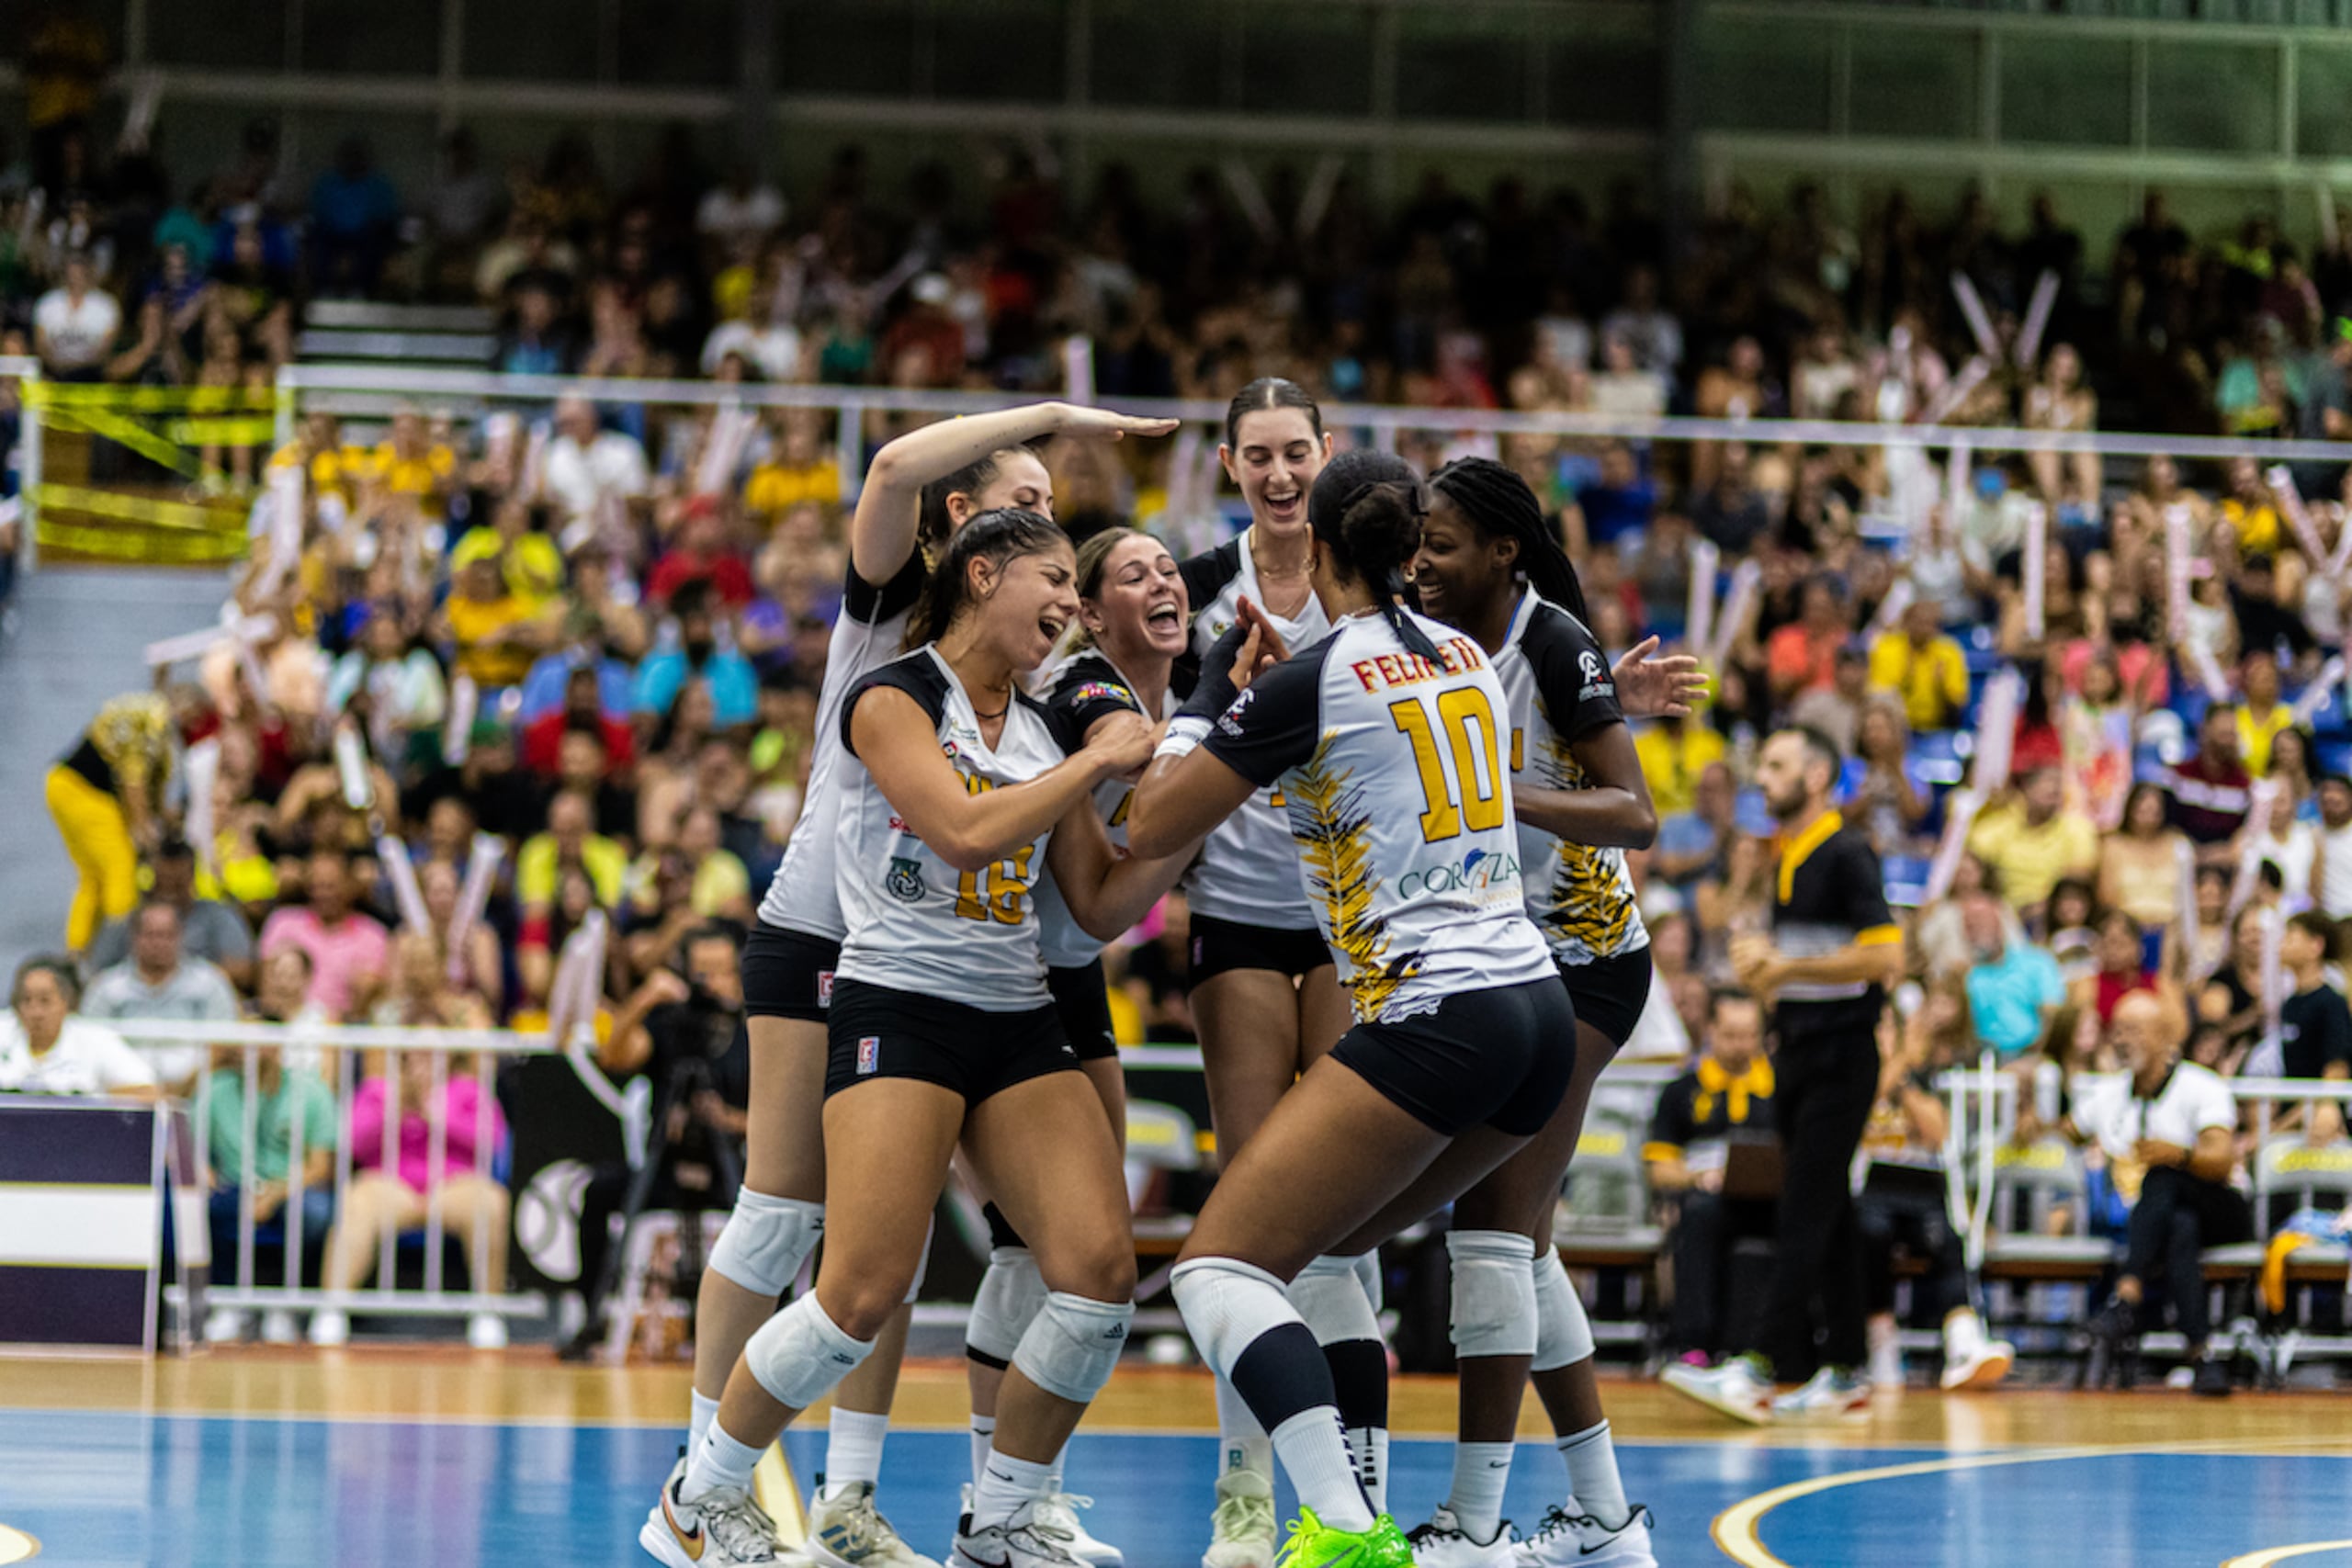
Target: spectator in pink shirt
[350,951]
[387,1199]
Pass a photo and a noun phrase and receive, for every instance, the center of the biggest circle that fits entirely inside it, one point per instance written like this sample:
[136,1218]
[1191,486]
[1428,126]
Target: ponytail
[1366,509]
[1501,504]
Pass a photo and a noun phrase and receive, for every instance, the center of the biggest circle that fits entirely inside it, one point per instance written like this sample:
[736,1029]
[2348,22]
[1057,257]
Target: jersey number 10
[1472,791]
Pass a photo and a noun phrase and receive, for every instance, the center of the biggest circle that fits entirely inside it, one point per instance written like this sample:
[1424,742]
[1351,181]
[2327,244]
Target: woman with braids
[1387,740]
[1132,615]
[1490,566]
[955,791]
[920,489]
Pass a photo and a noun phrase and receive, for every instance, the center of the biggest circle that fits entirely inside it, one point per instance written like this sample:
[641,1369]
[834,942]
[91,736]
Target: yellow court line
[778,1495]
[16,1546]
[2269,1555]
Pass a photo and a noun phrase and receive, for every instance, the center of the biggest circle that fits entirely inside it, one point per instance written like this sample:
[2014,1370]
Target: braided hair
[1366,509]
[1500,504]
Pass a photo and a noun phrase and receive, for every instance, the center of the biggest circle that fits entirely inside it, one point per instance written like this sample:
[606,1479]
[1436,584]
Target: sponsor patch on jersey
[824,987]
[905,879]
[1105,692]
[869,1052]
[1475,874]
[1595,674]
[1230,720]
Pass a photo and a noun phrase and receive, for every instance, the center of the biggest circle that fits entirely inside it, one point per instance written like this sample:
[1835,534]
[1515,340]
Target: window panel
[244,36]
[1005,52]
[2324,86]
[2069,91]
[863,48]
[1307,61]
[532,41]
[677,43]
[1148,55]
[1913,84]
[1465,65]
[369,38]
[1600,78]
[1758,77]
[2212,98]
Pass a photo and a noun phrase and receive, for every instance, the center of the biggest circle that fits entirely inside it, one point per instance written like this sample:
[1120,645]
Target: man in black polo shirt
[1833,950]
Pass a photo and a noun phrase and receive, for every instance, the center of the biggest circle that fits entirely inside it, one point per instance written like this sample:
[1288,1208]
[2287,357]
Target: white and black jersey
[1080,690]
[1242,873]
[1399,803]
[868,632]
[1561,690]
[915,923]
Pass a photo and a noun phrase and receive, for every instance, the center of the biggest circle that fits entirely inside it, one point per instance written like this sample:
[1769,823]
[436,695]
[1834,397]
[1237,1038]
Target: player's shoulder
[918,675]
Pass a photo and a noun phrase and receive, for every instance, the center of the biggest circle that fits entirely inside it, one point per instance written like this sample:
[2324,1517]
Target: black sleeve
[916,675]
[2336,1043]
[1670,1122]
[1860,887]
[1273,726]
[1088,690]
[868,605]
[1572,678]
[1206,574]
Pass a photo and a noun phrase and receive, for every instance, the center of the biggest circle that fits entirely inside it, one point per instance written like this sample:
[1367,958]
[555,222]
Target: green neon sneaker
[1314,1544]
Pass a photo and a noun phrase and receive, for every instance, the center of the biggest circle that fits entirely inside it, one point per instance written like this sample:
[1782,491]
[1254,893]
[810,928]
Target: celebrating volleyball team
[1374,741]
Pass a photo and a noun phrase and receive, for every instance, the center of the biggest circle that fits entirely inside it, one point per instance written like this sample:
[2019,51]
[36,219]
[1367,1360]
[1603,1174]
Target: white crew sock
[1004,1486]
[718,1461]
[1241,1440]
[1315,1452]
[1054,1471]
[983,1438]
[1368,1445]
[706,1411]
[1593,1480]
[1481,1471]
[853,1448]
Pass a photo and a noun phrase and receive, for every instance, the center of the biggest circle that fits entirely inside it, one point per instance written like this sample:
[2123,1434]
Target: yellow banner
[183,516]
[200,400]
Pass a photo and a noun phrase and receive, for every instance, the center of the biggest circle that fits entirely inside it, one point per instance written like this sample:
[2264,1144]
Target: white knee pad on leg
[798,1355]
[1072,1345]
[1563,1333]
[1329,1295]
[923,1262]
[1227,1305]
[1368,1275]
[1494,1293]
[1012,1294]
[766,1240]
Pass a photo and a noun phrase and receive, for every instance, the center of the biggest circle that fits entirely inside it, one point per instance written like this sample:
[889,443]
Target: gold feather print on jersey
[1328,819]
[1591,909]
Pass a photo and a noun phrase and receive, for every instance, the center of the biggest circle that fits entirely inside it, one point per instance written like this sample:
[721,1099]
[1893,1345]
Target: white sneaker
[279,1328]
[1059,1510]
[329,1326]
[486,1331]
[1242,1531]
[721,1529]
[1025,1541]
[1972,1360]
[223,1325]
[1886,1365]
[1443,1544]
[1579,1541]
[1829,1392]
[1733,1389]
[844,1531]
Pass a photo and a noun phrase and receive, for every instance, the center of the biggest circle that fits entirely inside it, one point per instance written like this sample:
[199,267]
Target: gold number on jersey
[1119,817]
[997,893]
[1477,799]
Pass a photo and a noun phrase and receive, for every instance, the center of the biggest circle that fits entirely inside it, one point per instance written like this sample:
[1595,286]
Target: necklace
[998,713]
[1271,574]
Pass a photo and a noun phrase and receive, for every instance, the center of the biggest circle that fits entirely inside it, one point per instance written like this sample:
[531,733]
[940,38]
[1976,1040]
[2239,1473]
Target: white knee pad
[1368,1275]
[923,1263]
[1012,1294]
[800,1354]
[766,1240]
[1329,1295]
[1494,1293]
[1227,1305]
[1563,1333]
[1073,1343]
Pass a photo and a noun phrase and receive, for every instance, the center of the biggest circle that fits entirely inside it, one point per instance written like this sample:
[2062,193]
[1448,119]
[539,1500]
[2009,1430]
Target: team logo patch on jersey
[1105,692]
[869,1052]
[824,987]
[1230,720]
[905,879]
[1595,674]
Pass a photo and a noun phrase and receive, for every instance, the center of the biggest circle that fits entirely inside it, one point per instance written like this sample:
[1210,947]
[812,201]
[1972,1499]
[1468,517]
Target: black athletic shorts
[788,974]
[1083,998]
[1219,946]
[1609,993]
[1500,1056]
[874,1032]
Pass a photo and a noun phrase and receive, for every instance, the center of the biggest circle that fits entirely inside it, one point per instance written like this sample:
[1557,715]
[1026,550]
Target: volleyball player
[955,793]
[1264,993]
[1132,618]
[1491,565]
[1387,740]
[926,483]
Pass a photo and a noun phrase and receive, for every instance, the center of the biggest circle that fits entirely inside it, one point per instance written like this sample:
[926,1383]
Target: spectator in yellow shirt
[329,467]
[1923,668]
[797,468]
[1673,754]
[2261,715]
[496,633]
[569,841]
[2035,841]
[410,463]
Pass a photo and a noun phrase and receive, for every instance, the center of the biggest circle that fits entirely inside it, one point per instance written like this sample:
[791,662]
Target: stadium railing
[338,1051]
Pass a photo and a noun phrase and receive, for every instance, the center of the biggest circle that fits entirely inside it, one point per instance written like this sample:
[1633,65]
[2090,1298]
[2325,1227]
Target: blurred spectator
[1922,667]
[159,981]
[354,213]
[46,1048]
[1802,655]
[2209,791]
[2332,866]
[495,632]
[2035,838]
[770,347]
[105,796]
[739,212]
[1885,801]
[1674,753]
[583,712]
[1727,1095]
[74,324]
[287,1105]
[596,479]
[569,844]
[1835,709]
[695,656]
[2013,986]
[2315,1025]
[349,949]
[700,556]
[211,931]
[2120,955]
[1728,512]
[2260,715]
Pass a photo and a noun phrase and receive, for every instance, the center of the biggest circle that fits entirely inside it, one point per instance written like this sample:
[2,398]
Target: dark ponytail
[1500,504]
[1366,509]
[998,536]
[1270,392]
